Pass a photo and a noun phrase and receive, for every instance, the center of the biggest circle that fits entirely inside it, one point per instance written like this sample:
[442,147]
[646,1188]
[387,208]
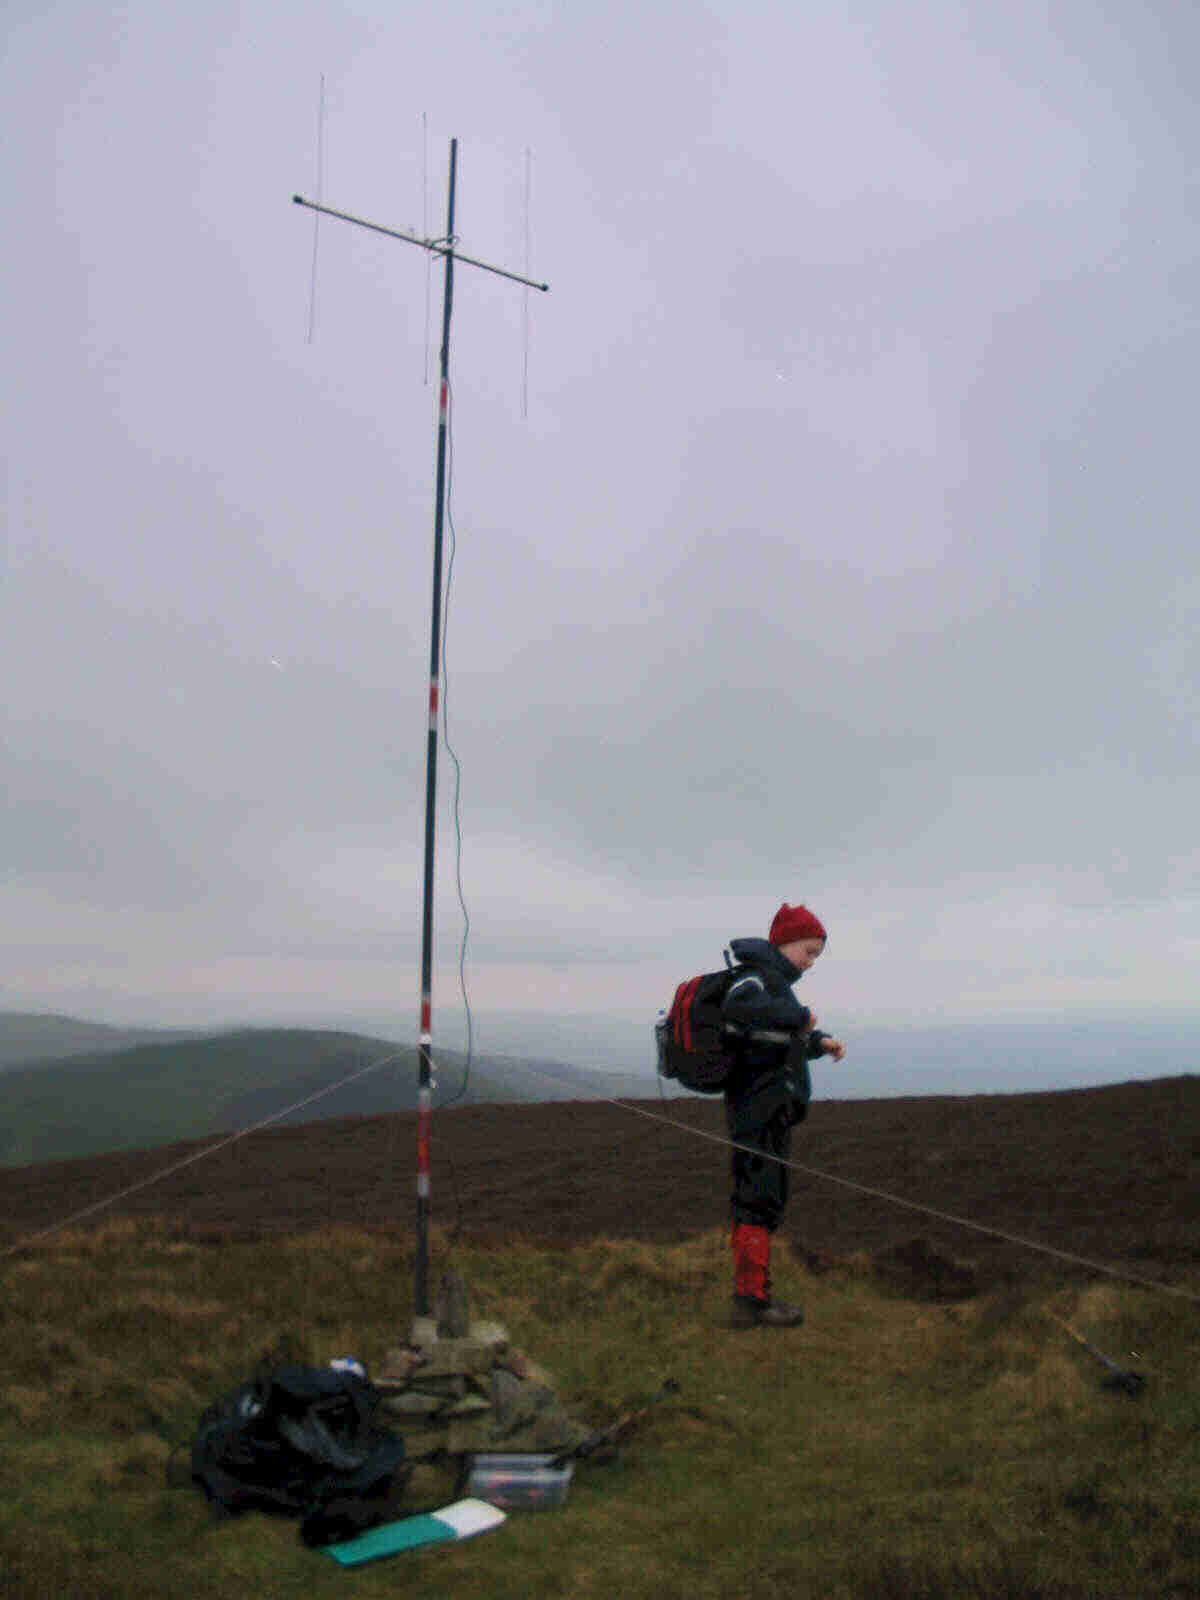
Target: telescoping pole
[425,1078]
[443,247]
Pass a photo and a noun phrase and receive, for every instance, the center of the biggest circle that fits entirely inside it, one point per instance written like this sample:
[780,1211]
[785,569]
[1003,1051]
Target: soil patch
[1112,1174]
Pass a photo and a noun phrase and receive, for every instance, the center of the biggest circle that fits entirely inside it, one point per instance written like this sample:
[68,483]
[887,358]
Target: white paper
[466,1517]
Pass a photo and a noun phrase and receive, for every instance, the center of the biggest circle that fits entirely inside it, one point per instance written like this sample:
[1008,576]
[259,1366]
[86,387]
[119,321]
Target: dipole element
[445,248]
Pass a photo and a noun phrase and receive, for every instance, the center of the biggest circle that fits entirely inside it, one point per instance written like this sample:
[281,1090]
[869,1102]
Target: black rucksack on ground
[304,1441]
[696,1046]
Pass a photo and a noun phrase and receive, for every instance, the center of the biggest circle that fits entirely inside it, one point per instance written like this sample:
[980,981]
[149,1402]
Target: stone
[516,1361]
[448,1386]
[456,1355]
[494,1334]
[506,1399]
[399,1366]
[412,1403]
[470,1405]
[515,1403]
[539,1398]
[552,1431]
[455,1394]
[423,1331]
[453,1306]
[466,1436]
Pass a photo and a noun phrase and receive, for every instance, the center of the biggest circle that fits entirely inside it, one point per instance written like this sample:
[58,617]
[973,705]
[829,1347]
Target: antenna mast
[445,248]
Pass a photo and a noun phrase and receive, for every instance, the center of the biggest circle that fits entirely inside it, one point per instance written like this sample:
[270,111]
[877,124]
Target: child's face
[802,952]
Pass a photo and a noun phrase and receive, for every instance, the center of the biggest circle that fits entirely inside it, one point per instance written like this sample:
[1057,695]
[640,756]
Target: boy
[768,1092]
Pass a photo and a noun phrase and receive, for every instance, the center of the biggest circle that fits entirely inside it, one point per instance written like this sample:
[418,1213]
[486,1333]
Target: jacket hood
[762,953]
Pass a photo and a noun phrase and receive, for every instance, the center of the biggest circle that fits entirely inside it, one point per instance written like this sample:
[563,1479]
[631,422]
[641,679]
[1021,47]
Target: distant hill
[157,1093]
[29,1037]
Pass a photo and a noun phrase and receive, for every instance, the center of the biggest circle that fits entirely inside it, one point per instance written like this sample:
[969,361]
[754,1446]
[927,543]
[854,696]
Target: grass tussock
[892,1447]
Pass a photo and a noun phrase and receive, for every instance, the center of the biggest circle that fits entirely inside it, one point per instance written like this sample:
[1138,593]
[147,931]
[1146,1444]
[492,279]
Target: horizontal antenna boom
[436,246]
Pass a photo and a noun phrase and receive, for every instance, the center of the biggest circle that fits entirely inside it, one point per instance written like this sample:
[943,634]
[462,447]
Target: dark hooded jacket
[777,1038]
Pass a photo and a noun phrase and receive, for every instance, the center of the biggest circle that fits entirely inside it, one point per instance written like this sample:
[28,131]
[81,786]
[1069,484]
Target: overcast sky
[845,550]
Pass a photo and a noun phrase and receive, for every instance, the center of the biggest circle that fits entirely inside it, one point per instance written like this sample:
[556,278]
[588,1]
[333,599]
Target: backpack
[302,1440]
[696,1046]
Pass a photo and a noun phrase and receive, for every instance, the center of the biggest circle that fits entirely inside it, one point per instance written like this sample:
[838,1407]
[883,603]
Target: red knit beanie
[794,922]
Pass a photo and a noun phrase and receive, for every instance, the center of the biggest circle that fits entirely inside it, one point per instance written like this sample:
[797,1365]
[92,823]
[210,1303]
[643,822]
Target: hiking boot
[750,1313]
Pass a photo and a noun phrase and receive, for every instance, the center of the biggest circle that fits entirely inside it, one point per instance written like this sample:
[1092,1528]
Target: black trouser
[759,1116]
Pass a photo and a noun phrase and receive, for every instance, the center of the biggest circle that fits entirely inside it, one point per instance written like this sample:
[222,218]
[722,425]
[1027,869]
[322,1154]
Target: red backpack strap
[681,1013]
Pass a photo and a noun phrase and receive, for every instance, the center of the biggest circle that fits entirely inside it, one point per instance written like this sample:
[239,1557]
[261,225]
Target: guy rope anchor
[1128,1382]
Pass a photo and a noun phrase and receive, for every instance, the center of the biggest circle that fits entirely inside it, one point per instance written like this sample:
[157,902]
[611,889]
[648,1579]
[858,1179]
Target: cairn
[460,1388]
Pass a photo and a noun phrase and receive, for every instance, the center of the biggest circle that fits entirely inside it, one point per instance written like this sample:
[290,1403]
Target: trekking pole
[1130,1383]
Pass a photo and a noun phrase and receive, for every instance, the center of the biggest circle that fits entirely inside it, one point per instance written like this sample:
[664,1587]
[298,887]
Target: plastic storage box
[519,1482]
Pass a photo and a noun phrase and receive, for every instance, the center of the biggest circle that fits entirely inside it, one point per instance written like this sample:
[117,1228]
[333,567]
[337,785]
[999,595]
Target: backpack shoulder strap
[745,983]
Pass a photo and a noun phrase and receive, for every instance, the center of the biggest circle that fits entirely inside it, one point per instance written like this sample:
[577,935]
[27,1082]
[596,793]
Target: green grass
[888,1448]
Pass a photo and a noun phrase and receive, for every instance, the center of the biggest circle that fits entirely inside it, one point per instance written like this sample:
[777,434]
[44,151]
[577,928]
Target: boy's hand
[834,1048]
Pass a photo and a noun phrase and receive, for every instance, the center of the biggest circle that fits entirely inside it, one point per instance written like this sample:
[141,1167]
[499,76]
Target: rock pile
[459,1387]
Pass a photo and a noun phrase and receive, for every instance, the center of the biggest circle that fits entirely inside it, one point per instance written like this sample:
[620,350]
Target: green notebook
[453,1522]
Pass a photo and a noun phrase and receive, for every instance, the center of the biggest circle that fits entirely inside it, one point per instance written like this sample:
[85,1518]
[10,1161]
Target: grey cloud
[848,542]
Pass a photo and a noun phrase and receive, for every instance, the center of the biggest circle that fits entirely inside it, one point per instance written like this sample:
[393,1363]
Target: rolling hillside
[157,1093]
[29,1038]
